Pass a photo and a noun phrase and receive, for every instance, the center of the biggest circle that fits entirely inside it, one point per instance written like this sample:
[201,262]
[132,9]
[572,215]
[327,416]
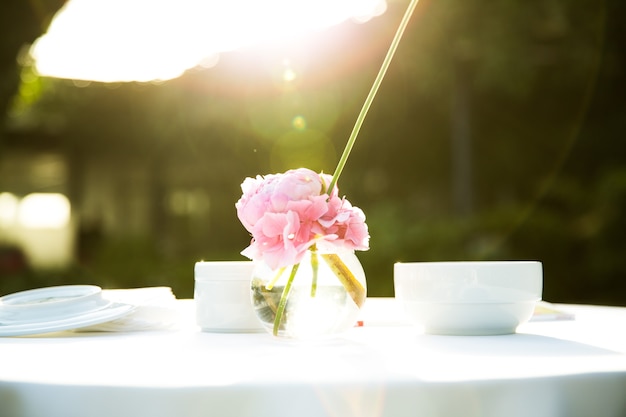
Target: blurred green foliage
[547,155]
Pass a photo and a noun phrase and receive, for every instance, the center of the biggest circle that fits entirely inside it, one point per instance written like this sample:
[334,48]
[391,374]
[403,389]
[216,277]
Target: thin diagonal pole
[370,97]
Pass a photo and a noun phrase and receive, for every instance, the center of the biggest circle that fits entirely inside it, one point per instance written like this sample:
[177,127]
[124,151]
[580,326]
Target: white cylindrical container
[222,297]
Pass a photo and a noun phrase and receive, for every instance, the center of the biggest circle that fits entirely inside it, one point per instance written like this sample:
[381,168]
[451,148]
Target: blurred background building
[497,134]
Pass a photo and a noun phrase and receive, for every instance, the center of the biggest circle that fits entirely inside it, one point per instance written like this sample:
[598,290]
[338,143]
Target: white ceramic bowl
[222,297]
[468,298]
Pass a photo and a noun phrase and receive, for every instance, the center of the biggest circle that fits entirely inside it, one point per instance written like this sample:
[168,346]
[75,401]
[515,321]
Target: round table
[551,368]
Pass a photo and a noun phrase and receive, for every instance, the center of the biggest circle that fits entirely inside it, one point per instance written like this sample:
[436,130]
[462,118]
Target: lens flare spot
[299,123]
[289,75]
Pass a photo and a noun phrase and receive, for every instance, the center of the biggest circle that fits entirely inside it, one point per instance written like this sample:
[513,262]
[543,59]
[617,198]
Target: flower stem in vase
[346,277]
[314,269]
[273,282]
[283,299]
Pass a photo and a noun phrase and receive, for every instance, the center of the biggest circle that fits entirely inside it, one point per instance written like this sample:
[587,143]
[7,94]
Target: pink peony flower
[288,213]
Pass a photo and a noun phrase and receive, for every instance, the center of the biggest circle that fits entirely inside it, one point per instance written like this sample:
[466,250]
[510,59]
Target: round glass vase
[319,297]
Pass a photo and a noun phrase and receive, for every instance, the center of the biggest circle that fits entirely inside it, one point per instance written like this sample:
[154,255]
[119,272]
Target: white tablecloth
[563,368]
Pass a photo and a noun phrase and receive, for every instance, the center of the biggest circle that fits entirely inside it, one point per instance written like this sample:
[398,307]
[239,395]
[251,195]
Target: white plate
[113,312]
[50,303]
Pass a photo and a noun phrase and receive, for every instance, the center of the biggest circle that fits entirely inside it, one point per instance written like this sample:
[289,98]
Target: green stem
[315,267]
[274,280]
[355,289]
[372,94]
[283,299]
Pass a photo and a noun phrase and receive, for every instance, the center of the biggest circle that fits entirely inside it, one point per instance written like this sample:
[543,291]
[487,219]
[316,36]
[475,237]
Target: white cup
[222,297]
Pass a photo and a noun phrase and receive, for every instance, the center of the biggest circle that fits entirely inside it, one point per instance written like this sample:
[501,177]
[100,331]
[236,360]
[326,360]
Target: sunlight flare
[145,40]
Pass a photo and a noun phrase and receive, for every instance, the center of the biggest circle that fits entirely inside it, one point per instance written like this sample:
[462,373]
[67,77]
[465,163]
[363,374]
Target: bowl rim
[465,263]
